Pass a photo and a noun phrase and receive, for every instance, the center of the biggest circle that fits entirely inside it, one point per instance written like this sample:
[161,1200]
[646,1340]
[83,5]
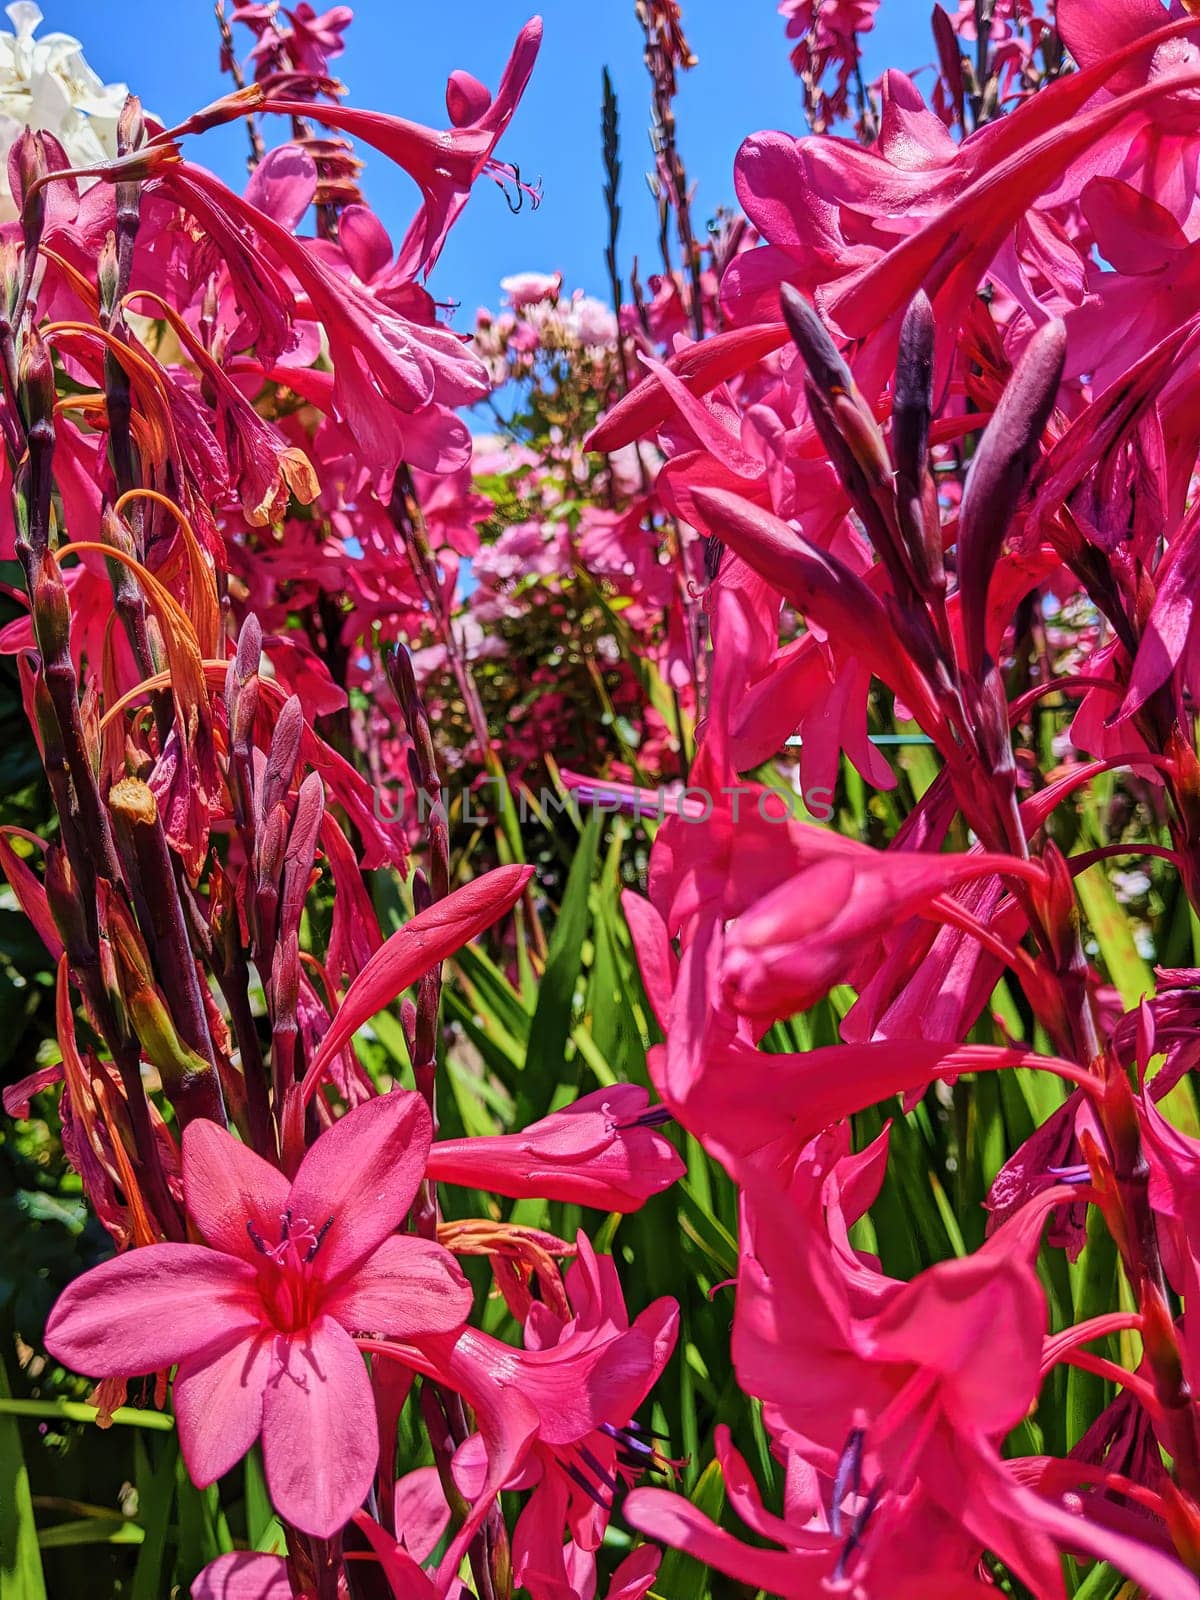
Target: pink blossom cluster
[935,394]
[238,476]
[956,378]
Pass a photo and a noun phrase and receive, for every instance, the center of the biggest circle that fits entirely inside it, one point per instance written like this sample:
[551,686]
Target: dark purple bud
[285,752]
[912,402]
[812,338]
[1000,471]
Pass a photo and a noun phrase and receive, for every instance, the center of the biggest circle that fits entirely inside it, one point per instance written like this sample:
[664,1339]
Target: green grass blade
[21,1575]
[551,1026]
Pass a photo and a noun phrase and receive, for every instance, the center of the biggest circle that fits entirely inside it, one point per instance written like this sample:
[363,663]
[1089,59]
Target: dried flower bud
[131,126]
[133,802]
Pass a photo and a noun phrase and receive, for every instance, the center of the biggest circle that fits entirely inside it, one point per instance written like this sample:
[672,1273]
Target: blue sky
[399,54]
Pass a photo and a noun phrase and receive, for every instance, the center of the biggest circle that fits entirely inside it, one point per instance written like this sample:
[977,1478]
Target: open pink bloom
[260,1323]
[929,1554]
[444,162]
[919,1382]
[605,1150]
[583,1378]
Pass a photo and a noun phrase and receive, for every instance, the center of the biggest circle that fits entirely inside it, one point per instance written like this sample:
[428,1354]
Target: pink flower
[244,1575]
[605,1150]
[531,288]
[444,163]
[585,1378]
[260,1323]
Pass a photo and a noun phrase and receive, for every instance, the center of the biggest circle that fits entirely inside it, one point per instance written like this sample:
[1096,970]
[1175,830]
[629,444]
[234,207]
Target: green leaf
[1114,935]
[75,1411]
[156,1494]
[21,1575]
[92,1530]
[679,1574]
[550,1028]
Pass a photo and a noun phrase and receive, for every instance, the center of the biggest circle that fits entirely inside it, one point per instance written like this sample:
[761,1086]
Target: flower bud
[1000,471]
[131,126]
[35,376]
[51,611]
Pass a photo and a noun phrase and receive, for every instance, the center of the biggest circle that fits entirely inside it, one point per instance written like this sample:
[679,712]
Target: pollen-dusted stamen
[256,1238]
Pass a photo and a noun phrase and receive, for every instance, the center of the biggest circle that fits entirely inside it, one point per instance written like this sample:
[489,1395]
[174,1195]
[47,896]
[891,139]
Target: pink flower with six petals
[260,1324]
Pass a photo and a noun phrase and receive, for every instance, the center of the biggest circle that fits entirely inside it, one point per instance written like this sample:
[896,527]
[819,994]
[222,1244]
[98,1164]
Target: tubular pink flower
[259,1322]
[604,1150]
[443,163]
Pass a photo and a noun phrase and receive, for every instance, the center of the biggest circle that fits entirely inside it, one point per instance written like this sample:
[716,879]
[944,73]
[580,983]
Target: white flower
[46,84]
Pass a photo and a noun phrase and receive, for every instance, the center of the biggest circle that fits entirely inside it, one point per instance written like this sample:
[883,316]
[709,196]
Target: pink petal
[364,242]
[226,1186]
[594,1153]
[420,1511]
[1093,29]
[283,185]
[672,1519]
[419,945]
[656,959]
[701,367]
[243,1575]
[407,1580]
[488,1376]
[409,1286]
[363,1173]
[320,1447]
[636,1574]
[150,1308]
[219,1405]
[16,1096]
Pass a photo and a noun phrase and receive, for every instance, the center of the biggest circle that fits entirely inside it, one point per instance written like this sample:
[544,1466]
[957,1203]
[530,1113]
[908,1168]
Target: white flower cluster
[46,84]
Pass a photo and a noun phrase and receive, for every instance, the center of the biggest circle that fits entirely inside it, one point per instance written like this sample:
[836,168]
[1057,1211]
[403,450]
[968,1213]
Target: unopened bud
[131,126]
[108,276]
[62,896]
[114,530]
[27,165]
[825,363]
[51,611]
[35,375]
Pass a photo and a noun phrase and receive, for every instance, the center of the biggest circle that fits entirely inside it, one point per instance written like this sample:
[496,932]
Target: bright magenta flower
[260,1323]
[604,1150]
